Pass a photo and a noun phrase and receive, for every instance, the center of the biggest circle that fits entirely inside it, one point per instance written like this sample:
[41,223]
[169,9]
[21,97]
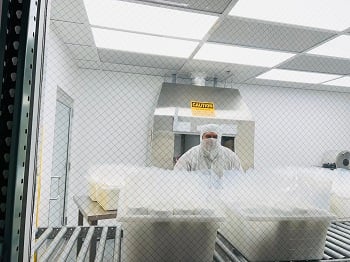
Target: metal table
[91,211]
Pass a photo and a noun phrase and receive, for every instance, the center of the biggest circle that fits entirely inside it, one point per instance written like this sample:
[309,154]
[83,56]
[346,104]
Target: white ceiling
[70,22]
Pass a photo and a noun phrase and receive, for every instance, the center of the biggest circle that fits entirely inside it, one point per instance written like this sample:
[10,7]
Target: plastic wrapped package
[294,186]
[147,240]
[136,197]
[317,192]
[160,193]
[317,182]
[339,198]
[108,196]
[190,191]
[92,188]
[274,215]
[165,217]
[251,188]
[94,179]
[314,186]
[105,183]
[268,233]
[155,189]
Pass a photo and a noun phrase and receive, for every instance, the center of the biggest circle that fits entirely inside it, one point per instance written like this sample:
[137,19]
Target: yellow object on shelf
[108,197]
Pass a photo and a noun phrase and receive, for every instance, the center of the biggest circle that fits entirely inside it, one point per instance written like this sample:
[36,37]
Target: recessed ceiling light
[139,43]
[338,47]
[326,14]
[343,81]
[297,76]
[240,55]
[148,19]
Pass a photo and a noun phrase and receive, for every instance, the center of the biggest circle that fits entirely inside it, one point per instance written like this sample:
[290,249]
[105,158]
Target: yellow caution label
[202,108]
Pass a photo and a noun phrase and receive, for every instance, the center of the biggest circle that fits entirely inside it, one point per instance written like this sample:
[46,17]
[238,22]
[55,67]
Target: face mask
[210,148]
[209,144]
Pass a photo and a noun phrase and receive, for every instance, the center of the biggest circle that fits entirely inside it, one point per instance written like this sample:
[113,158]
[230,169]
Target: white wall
[294,127]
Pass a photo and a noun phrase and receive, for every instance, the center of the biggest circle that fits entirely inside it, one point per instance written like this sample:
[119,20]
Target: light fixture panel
[148,19]
[297,76]
[337,47]
[325,14]
[241,55]
[145,44]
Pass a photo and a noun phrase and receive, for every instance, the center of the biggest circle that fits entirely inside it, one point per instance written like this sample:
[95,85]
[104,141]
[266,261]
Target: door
[60,164]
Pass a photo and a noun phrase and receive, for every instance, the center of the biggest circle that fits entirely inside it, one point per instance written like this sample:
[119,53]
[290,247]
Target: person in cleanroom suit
[209,154]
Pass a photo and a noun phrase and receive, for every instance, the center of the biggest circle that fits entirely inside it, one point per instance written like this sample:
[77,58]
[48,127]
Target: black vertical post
[19,101]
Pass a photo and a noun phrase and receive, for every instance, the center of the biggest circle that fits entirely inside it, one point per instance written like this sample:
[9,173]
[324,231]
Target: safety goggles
[210,136]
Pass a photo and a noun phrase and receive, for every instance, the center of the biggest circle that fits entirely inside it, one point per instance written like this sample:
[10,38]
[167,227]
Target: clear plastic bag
[284,188]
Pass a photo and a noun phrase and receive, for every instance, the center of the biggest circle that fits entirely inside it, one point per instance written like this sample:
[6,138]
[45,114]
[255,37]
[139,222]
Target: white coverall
[217,157]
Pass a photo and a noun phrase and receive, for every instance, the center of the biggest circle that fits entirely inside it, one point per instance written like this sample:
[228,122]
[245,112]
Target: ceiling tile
[333,88]
[137,69]
[124,68]
[222,71]
[217,6]
[320,64]
[73,33]
[247,32]
[144,60]
[84,52]
[70,11]
[88,64]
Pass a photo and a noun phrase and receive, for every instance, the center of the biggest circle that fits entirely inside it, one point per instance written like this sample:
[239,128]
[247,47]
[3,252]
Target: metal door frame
[65,99]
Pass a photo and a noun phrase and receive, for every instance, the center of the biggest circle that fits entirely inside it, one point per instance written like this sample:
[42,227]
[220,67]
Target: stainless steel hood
[182,108]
